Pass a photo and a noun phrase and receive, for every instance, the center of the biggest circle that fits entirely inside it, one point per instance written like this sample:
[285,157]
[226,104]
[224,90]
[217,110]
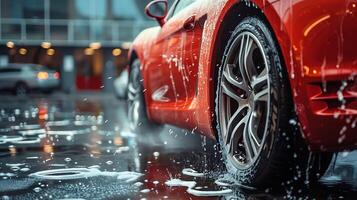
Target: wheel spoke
[247,142]
[252,136]
[132,92]
[263,95]
[234,123]
[233,79]
[235,135]
[261,80]
[245,48]
[132,89]
[227,89]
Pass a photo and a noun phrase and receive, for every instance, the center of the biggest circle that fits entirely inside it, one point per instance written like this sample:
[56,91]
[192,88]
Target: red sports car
[273,81]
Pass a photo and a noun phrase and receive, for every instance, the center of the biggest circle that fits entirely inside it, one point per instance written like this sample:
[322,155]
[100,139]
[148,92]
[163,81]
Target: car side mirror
[158,10]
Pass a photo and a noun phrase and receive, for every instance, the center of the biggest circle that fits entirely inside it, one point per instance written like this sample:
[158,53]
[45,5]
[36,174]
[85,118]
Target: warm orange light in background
[12,150]
[42,75]
[22,51]
[118,141]
[46,45]
[95,45]
[10,44]
[116,52]
[51,52]
[43,113]
[48,148]
[89,51]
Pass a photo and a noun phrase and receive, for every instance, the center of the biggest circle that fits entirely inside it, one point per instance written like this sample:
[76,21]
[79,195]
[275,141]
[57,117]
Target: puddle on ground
[63,149]
[80,173]
[10,138]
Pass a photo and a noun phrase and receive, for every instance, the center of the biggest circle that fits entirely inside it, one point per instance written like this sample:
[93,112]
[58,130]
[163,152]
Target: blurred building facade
[87,40]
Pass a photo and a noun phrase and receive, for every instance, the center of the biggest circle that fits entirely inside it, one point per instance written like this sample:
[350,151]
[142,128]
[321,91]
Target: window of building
[61,9]
[29,9]
[92,9]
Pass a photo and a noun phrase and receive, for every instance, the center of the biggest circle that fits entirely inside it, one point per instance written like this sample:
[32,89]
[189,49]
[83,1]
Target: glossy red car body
[317,39]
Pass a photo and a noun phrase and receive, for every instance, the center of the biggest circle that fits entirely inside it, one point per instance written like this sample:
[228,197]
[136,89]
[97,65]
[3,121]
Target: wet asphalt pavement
[86,144]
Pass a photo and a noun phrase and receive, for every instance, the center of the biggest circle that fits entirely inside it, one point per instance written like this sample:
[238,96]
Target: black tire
[137,114]
[21,89]
[284,156]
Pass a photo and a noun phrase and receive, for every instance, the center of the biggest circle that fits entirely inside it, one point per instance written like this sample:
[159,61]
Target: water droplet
[156,154]
[37,189]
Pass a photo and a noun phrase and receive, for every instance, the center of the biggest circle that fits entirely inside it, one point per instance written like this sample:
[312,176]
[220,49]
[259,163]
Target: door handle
[190,23]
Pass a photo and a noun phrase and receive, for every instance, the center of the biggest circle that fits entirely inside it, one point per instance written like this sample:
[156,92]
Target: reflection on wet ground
[66,147]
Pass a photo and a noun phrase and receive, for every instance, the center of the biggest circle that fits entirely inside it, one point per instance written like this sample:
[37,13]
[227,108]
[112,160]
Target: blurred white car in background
[21,78]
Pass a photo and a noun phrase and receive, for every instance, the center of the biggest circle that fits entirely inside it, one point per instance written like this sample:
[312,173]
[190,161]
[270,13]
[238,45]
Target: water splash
[192,172]
[79,173]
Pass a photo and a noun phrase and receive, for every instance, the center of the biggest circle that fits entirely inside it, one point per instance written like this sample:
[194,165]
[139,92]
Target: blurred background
[85,41]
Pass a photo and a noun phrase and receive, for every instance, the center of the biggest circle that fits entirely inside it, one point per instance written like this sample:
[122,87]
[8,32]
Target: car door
[3,78]
[188,21]
[181,36]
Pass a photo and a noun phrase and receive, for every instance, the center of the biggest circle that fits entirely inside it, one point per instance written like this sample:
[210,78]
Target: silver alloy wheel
[244,100]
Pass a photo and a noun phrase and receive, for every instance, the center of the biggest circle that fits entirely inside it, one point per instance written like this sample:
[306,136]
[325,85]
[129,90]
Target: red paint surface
[317,41]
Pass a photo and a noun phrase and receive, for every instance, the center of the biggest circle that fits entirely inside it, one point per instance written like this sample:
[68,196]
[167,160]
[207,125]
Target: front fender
[142,44]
